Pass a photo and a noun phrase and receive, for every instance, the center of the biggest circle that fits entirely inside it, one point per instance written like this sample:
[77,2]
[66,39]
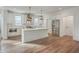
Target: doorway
[55,27]
[68,26]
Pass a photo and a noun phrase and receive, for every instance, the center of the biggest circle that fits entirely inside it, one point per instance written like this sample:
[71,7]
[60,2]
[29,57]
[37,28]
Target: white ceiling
[36,9]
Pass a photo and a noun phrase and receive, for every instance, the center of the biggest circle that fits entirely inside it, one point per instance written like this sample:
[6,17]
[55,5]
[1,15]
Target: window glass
[18,20]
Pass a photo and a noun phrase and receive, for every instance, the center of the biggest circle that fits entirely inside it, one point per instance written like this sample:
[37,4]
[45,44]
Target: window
[36,21]
[18,20]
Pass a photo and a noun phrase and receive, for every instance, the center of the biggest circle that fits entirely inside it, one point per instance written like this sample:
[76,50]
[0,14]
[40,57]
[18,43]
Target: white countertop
[26,29]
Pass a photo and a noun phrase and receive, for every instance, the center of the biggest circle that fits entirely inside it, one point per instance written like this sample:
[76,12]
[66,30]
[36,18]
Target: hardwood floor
[47,45]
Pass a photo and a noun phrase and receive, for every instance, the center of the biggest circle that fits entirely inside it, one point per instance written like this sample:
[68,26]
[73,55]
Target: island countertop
[25,29]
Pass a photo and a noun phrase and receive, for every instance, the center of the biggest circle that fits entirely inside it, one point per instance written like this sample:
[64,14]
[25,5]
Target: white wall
[76,26]
[69,12]
[1,22]
[0,25]
[4,24]
[49,25]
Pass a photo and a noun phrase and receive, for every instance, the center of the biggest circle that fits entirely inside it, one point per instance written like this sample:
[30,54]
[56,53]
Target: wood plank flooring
[47,45]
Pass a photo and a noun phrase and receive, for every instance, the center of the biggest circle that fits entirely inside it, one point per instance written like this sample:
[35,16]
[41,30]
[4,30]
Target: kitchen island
[33,34]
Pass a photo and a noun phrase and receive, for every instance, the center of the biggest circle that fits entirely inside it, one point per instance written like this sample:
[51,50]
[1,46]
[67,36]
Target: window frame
[18,23]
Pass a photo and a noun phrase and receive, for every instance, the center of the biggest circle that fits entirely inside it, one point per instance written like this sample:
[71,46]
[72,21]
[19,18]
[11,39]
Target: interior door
[68,25]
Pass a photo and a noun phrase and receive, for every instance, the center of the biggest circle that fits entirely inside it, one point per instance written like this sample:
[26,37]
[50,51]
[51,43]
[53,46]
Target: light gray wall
[1,18]
[76,26]
[0,25]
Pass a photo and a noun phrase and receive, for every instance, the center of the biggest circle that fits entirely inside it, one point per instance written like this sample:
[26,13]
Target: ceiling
[36,9]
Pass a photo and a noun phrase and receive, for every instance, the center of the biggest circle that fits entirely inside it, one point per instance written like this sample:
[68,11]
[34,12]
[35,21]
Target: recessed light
[60,8]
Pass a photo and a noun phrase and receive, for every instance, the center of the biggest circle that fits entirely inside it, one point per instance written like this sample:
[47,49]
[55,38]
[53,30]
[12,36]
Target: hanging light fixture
[29,17]
[41,17]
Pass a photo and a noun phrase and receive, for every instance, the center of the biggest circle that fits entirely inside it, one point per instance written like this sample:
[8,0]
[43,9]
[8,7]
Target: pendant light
[29,17]
[41,17]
